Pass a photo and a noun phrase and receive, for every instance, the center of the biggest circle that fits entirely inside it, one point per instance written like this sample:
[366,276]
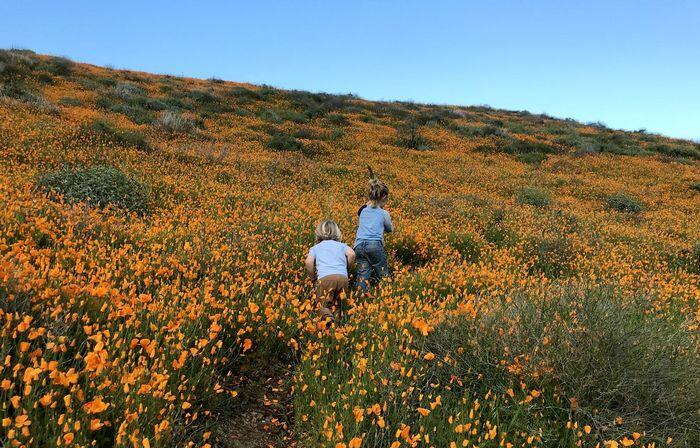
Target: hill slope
[545,287]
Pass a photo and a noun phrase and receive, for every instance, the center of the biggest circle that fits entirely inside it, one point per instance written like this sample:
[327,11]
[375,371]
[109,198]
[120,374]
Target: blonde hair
[378,190]
[328,230]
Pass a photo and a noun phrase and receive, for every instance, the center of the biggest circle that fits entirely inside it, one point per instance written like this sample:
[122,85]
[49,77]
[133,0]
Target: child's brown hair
[378,191]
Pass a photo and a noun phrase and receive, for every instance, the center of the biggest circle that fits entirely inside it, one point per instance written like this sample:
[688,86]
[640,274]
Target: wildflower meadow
[544,288]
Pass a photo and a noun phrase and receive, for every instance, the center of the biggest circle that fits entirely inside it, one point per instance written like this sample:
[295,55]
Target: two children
[329,261]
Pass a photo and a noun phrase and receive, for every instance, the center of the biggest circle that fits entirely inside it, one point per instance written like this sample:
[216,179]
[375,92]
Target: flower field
[545,284]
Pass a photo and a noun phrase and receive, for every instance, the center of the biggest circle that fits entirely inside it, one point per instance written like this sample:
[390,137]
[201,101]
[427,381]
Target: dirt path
[263,414]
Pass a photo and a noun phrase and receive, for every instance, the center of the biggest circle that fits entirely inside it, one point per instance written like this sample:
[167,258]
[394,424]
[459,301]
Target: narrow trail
[263,415]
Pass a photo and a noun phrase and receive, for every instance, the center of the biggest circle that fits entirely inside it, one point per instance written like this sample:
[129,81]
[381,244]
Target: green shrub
[409,136]
[517,146]
[60,66]
[532,158]
[107,131]
[16,64]
[605,142]
[337,119]
[137,114]
[695,186]
[127,90]
[676,150]
[99,185]
[496,231]
[271,116]
[203,97]
[19,92]
[334,134]
[369,119]
[176,122]
[624,203]
[613,356]
[437,116]
[284,142]
[534,196]
[305,133]
[552,256]
[477,131]
[280,116]
[243,95]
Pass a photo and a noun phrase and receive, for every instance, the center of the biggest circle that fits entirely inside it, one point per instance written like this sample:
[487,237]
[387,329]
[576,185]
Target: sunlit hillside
[545,282]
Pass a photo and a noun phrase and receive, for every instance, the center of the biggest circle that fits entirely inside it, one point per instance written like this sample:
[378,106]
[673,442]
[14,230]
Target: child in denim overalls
[369,242]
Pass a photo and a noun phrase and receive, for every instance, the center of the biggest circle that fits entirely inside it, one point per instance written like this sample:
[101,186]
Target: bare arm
[310,268]
[350,254]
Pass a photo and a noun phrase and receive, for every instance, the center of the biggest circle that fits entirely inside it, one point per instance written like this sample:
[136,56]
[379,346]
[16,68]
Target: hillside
[545,282]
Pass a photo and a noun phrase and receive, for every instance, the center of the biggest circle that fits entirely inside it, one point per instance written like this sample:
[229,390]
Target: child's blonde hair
[328,230]
[378,191]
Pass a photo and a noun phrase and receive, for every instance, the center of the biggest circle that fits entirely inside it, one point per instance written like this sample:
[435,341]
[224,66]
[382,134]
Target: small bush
[517,146]
[107,131]
[19,92]
[532,158]
[202,96]
[99,185]
[305,133]
[16,64]
[612,356]
[60,66]
[496,231]
[137,114]
[337,119]
[695,186]
[175,122]
[410,137]
[478,131]
[553,257]
[127,90]
[676,150]
[624,203]
[284,142]
[534,196]
[270,116]
[243,95]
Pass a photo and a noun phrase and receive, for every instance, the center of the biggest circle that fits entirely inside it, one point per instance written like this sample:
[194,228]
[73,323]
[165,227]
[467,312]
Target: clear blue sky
[628,63]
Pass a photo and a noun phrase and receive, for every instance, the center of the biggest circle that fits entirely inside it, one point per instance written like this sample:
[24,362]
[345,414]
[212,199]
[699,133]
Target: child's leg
[324,295]
[364,268]
[377,259]
[331,290]
[341,295]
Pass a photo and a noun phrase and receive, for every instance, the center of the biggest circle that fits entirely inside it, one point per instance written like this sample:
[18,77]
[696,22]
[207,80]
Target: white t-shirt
[330,258]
